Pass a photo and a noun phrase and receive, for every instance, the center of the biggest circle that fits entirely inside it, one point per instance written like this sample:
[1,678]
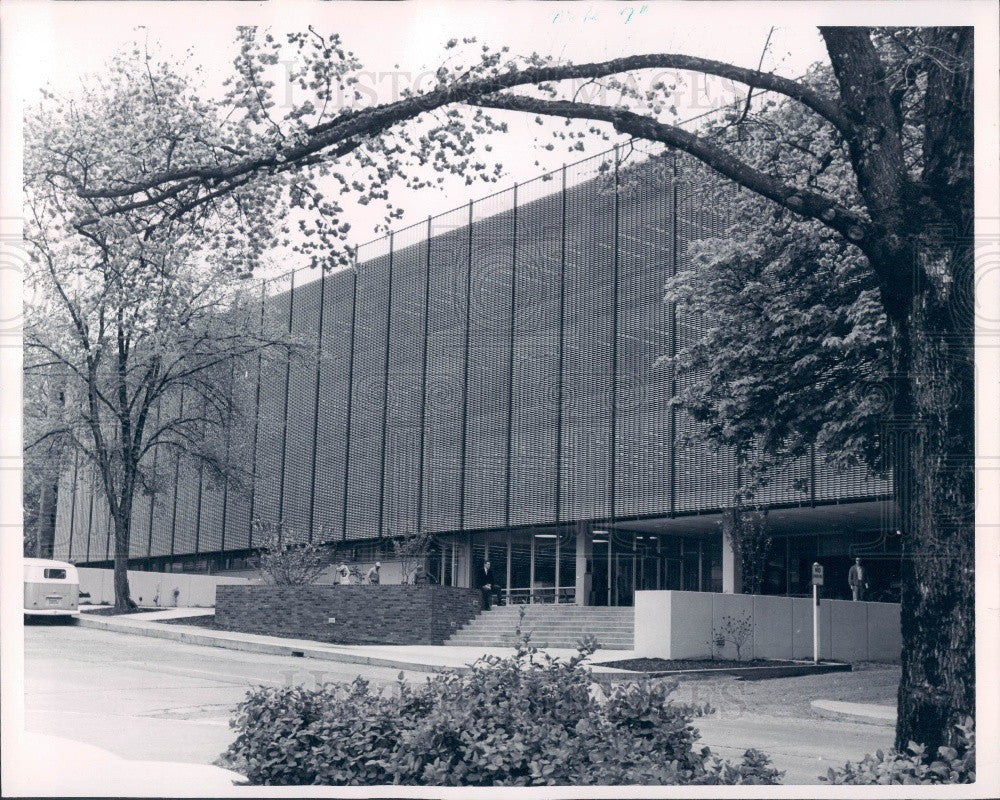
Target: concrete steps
[549,626]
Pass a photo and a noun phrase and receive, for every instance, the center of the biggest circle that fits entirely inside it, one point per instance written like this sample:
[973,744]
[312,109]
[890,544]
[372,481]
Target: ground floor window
[546,564]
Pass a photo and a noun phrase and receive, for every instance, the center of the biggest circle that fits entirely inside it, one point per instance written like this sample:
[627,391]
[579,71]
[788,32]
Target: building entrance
[625,561]
[543,565]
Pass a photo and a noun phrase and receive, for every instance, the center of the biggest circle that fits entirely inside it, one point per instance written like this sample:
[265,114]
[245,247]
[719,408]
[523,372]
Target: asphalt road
[160,700]
[154,699]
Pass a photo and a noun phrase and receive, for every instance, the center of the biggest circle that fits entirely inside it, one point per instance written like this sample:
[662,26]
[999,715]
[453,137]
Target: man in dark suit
[486,582]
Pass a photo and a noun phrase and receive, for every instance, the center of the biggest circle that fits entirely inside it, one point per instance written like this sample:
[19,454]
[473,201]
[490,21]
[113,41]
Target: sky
[400,44]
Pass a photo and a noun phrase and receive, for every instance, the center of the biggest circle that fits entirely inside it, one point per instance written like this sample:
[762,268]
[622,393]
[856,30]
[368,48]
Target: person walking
[373,574]
[486,581]
[857,580]
[343,574]
[421,576]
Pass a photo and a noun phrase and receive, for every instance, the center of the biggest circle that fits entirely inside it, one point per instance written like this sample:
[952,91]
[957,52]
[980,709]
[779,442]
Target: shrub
[738,631]
[525,720]
[283,560]
[952,765]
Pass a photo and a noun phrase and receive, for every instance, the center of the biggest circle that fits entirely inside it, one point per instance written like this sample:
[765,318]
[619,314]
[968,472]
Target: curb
[272,645]
[882,716]
[189,636]
[744,673]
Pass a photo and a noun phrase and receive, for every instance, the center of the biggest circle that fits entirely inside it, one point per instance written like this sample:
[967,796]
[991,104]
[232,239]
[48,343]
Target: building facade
[499,376]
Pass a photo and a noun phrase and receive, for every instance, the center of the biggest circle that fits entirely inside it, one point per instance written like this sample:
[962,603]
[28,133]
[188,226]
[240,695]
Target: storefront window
[670,563]
[567,566]
[520,566]
[711,551]
[692,565]
[544,579]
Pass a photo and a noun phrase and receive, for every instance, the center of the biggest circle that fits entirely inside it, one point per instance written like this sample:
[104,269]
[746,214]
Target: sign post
[817,581]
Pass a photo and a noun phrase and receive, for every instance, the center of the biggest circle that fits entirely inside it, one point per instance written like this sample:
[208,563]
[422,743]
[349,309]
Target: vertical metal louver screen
[646,259]
[705,475]
[535,392]
[186,511]
[334,396]
[270,423]
[402,444]
[371,329]
[242,444]
[298,443]
[81,516]
[138,540]
[423,442]
[63,534]
[163,502]
[98,533]
[445,375]
[587,380]
[488,368]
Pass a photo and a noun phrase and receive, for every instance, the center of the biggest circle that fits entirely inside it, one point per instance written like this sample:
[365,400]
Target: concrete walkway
[424,658]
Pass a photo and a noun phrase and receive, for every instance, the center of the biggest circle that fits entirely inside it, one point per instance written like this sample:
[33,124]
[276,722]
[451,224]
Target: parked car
[51,588]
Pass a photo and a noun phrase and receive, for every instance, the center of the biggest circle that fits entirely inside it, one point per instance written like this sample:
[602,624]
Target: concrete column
[584,558]
[732,580]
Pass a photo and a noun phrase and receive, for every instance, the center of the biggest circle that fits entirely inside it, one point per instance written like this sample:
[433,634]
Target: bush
[952,765]
[525,720]
[284,560]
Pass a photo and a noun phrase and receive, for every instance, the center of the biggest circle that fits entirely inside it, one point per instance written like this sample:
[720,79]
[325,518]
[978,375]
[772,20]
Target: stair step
[548,626]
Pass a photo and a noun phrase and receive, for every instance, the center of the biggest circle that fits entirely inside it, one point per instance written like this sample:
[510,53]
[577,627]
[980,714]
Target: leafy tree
[897,115]
[746,530]
[138,330]
[43,464]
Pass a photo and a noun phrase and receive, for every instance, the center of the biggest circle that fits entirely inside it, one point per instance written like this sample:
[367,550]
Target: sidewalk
[422,658]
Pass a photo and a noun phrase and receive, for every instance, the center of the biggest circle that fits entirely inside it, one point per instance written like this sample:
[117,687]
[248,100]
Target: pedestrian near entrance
[486,582]
[373,574]
[857,580]
[343,574]
[421,576]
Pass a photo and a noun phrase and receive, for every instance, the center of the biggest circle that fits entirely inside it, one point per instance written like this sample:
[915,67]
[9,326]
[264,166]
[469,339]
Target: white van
[51,588]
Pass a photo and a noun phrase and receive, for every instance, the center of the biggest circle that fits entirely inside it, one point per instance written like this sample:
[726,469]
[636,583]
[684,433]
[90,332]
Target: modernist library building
[499,376]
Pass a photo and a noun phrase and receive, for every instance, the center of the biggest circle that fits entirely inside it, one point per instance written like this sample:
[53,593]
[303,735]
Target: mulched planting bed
[109,611]
[201,621]
[665,665]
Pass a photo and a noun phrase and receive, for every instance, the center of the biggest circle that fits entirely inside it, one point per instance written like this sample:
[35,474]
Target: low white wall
[671,624]
[155,588]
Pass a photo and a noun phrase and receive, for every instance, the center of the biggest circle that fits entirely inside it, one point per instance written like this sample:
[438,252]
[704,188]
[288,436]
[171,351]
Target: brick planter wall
[388,614]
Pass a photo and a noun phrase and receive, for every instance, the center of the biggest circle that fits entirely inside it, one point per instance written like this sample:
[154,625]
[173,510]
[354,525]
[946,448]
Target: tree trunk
[932,447]
[123,595]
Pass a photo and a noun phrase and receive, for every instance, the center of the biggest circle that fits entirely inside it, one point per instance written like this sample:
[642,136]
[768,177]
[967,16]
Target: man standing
[485,581]
[343,574]
[856,578]
[373,574]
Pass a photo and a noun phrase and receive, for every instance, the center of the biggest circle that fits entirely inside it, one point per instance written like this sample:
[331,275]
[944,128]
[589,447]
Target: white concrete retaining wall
[670,624]
[155,588]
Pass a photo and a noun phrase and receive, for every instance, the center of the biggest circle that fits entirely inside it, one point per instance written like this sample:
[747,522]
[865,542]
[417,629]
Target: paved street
[162,700]
[803,747]
[153,699]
